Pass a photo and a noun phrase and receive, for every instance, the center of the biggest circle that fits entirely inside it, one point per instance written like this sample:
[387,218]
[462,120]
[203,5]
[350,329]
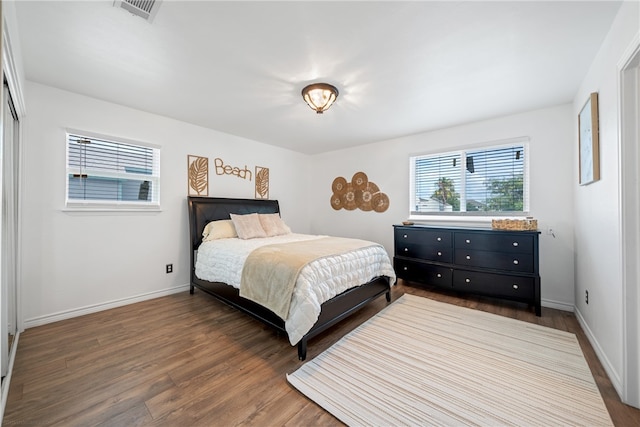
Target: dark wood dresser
[502,264]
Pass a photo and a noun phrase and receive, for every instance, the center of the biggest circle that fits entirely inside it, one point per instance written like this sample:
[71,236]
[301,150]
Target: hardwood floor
[190,360]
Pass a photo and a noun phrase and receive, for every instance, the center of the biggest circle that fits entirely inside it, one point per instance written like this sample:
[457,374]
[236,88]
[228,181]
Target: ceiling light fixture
[320,96]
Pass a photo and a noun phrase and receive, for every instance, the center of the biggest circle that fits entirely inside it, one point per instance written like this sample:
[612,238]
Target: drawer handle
[467,241]
[439,253]
[515,286]
[515,243]
[439,239]
[468,256]
[405,236]
[406,249]
[467,280]
[516,262]
[439,275]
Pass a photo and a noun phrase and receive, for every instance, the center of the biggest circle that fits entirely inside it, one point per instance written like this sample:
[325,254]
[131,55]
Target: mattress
[222,260]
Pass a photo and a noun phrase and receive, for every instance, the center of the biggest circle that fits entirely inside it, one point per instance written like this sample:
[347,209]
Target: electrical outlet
[586,297]
[169,268]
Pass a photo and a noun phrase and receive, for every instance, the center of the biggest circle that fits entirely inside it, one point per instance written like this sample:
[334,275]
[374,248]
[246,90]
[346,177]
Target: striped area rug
[423,362]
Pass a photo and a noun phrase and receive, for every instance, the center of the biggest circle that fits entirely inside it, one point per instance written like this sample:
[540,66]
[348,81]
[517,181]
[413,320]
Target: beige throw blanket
[270,272]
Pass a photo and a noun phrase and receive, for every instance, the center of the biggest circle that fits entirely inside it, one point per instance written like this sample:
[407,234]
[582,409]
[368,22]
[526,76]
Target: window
[482,181]
[104,172]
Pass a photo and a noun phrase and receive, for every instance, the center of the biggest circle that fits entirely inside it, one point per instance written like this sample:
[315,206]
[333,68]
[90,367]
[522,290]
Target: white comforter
[319,281]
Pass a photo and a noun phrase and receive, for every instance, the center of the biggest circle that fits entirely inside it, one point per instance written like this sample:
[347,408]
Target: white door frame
[629,161]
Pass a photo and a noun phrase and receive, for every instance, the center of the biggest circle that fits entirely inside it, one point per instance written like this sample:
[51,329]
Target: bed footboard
[344,305]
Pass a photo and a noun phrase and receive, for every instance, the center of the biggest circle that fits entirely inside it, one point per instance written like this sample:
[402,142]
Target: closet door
[8,226]
[4,293]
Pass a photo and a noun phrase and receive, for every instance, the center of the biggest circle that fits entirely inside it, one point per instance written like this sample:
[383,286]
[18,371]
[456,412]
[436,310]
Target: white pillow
[222,229]
[248,226]
[273,225]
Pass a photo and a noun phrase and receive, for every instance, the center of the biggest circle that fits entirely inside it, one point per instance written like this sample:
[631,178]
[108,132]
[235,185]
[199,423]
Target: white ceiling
[238,67]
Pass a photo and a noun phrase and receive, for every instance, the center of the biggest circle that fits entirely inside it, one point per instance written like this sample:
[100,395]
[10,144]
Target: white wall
[551,132]
[75,263]
[597,206]
[72,261]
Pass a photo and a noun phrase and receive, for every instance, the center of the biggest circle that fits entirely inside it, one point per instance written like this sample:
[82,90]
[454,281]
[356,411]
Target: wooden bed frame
[202,210]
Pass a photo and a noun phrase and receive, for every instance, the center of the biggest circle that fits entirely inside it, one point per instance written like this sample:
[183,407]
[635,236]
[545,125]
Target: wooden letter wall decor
[198,172]
[359,193]
[222,169]
[198,176]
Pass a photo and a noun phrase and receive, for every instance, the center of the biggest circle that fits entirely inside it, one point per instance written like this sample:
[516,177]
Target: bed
[203,210]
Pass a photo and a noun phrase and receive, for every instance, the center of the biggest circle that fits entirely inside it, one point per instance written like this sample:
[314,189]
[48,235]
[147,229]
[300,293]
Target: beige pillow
[223,229]
[248,226]
[273,225]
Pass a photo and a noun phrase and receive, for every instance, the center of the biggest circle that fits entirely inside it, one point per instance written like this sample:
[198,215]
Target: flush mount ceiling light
[320,96]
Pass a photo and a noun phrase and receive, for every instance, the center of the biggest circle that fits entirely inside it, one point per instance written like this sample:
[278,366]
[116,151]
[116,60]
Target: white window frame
[480,216]
[114,205]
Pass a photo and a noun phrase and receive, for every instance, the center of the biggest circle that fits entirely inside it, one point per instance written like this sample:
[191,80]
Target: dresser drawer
[495,241]
[425,273]
[503,264]
[499,285]
[429,253]
[495,260]
[425,236]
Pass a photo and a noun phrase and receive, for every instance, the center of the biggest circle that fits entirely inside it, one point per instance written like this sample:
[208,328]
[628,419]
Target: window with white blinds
[107,172]
[480,181]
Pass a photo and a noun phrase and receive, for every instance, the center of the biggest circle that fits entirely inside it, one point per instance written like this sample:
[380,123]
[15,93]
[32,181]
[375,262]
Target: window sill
[449,220]
[111,209]
[458,221]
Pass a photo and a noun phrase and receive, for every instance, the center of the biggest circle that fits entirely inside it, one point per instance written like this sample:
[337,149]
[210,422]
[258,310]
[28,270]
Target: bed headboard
[202,210]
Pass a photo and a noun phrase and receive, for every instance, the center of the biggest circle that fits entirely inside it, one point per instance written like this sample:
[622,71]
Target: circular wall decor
[360,193]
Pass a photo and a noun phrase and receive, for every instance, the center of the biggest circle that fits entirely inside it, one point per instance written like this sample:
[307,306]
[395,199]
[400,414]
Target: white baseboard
[557,305]
[611,372]
[68,314]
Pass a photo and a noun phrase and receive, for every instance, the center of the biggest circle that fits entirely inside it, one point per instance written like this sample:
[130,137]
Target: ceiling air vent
[145,9]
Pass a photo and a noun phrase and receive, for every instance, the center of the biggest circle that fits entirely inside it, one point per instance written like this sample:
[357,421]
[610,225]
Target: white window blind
[105,172]
[483,181]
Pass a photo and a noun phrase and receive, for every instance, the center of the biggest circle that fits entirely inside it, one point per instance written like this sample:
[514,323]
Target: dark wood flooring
[189,360]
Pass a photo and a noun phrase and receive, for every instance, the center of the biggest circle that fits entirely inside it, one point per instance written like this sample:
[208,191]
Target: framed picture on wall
[589,147]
